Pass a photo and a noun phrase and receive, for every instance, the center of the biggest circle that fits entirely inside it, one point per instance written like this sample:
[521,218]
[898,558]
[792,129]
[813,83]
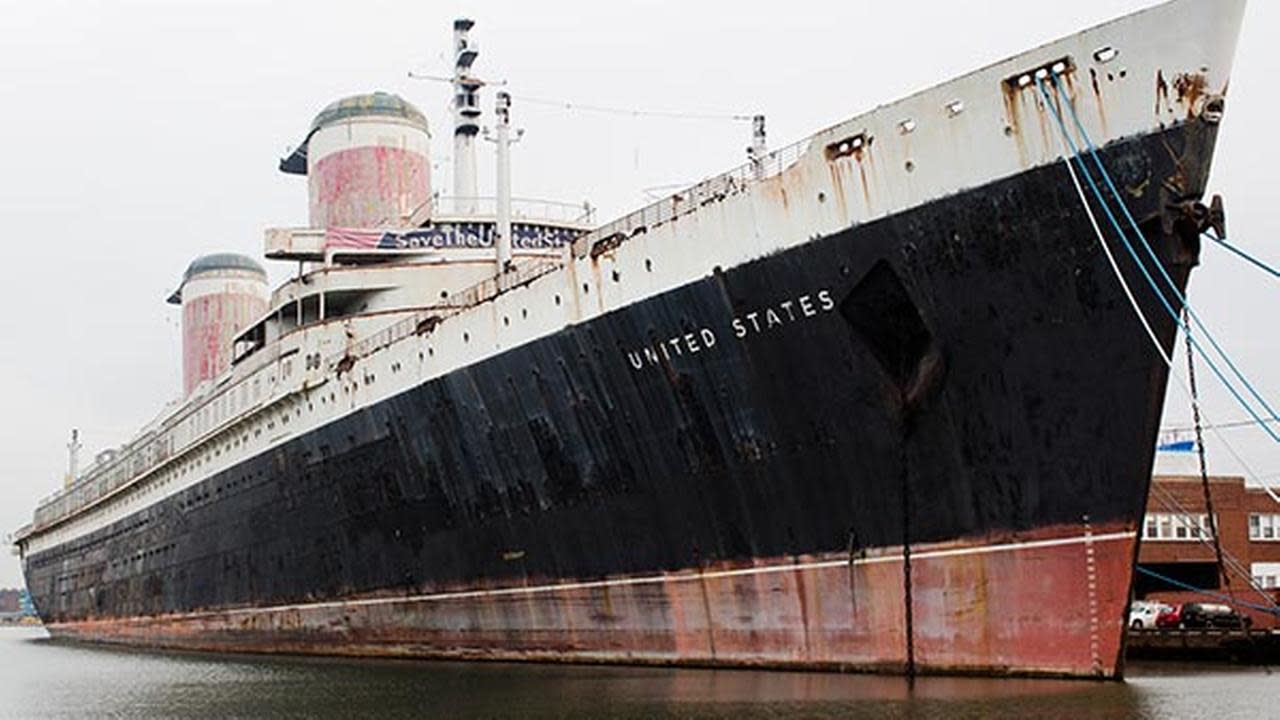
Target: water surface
[40,678]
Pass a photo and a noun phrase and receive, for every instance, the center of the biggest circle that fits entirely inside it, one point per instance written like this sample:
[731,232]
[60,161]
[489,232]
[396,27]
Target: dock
[1252,647]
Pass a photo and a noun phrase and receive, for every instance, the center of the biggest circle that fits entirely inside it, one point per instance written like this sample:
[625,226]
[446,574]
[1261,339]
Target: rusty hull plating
[881,408]
[694,512]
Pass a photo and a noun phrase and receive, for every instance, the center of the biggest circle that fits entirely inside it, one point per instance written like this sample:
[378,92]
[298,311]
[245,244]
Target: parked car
[1143,614]
[1170,617]
[1213,615]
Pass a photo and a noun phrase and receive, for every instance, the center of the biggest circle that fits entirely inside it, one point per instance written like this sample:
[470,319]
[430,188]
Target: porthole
[1105,54]
[466,337]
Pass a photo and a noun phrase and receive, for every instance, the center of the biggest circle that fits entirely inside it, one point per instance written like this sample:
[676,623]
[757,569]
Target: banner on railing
[442,236]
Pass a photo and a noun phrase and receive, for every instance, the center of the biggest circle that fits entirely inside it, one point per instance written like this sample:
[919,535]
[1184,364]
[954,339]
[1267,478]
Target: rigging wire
[1234,425]
[604,109]
[1204,468]
[1151,253]
[1170,502]
[632,112]
[1207,593]
[1063,140]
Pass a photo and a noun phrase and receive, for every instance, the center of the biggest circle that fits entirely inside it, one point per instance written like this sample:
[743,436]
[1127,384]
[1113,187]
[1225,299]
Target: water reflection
[40,678]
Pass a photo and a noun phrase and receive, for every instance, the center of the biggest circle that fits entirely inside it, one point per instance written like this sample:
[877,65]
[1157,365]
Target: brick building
[1175,542]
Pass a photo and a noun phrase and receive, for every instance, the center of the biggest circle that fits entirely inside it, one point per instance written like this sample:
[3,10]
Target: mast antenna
[758,149]
[503,139]
[73,458]
[466,115]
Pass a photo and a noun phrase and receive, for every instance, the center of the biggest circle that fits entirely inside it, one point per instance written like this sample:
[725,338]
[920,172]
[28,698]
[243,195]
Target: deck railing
[522,209]
[153,448]
[689,199]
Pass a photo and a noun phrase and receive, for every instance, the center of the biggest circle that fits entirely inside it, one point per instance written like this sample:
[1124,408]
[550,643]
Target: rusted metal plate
[979,609]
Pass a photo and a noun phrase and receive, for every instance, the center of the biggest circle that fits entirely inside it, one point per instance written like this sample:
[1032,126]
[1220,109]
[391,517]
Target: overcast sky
[137,135]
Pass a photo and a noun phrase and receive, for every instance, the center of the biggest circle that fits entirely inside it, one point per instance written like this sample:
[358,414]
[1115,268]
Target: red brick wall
[1232,504]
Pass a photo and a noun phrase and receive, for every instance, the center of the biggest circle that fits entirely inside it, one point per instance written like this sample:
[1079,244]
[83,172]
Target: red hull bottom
[1051,603]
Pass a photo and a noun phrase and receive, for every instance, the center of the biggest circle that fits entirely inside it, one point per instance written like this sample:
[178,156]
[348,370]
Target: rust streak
[1191,88]
[1162,91]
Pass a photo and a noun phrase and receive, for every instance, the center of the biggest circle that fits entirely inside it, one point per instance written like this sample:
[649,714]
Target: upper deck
[961,134]
[452,223]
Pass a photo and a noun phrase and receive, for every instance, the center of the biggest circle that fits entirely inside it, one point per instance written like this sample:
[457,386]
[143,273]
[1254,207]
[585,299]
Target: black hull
[967,369]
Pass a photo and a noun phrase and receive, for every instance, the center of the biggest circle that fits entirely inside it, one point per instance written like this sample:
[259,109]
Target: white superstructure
[357,326]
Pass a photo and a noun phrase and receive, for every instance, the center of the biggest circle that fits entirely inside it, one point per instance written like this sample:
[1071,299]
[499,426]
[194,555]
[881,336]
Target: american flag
[358,238]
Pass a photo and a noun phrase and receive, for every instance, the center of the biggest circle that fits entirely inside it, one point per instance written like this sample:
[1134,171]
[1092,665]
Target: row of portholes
[524,312]
[81,546]
[369,379]
[200,459]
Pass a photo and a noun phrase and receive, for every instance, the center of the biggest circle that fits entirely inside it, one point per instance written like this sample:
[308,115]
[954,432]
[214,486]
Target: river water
[40,678]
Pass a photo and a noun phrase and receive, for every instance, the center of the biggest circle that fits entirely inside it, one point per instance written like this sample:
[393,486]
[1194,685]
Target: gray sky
[137,135]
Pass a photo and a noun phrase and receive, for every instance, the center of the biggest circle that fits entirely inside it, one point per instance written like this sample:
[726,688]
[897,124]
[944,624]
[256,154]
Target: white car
[1142,614]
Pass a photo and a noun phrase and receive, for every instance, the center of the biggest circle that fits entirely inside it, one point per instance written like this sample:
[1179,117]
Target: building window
[1176,527]
[1266,574]
[1264,526]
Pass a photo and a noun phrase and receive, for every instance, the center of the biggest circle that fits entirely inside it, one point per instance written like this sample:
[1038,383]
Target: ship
[873,401]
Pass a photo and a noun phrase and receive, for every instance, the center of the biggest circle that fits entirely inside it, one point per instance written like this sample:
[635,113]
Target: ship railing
[522,209]
[653,214]
[691,198]
[421,322]
[386,336]
[135,458]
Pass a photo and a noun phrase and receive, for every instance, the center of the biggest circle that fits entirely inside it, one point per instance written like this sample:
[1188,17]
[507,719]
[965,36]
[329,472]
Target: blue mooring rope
[1207,593]
[1255,261]
[1115,224]
[1093,153]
